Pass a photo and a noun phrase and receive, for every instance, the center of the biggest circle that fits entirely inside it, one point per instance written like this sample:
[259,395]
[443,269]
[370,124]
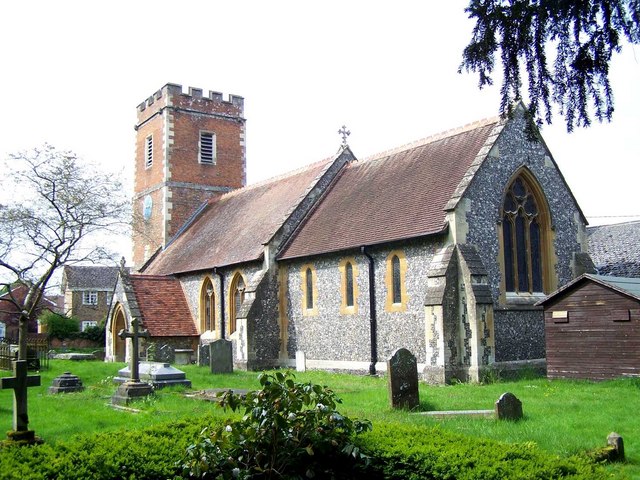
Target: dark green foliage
[59,326]
[584,35]
[94,333]
[411,452]
[288,430]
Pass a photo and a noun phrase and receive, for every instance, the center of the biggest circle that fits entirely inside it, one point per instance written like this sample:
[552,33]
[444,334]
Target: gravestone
[19,383]
[402,371]
[204,357]
[132,389]
[508,407]
[158,374]
[221,356]
[301,361]
[614,440]
[66,383]
[183,356]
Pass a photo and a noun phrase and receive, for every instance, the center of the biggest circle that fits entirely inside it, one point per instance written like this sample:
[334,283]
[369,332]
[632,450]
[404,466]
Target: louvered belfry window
[521,234]
[148,151]
[207,148]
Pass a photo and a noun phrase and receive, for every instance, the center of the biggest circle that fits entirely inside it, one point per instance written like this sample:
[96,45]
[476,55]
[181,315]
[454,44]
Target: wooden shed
[592,328]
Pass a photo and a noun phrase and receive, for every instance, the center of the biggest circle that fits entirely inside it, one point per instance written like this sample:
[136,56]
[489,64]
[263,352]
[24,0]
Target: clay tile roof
[163,306]
[615,249]
[235,227]
[397,195]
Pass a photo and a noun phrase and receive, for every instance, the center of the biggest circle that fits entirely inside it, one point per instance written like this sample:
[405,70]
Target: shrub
[287,430]
[59,326]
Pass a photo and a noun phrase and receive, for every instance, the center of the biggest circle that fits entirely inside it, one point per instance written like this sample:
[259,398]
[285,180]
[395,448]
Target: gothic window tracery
[207,306]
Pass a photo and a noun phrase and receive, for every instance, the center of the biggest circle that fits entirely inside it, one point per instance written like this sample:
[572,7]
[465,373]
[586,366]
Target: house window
[525,224]
[309,290]
[349,285]
[87,324]
[3,330]
[395,282]
[89,297]
[148,151]
[237,297]
[207,148]
[207,306]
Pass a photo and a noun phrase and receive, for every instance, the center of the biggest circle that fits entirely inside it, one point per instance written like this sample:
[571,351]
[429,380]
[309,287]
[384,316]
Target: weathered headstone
[221,356]
[508,407]
[19,383]
[402,371]
[66,383]
[614,440]
[134,388]
[301,361]
[204,355]
[183,356]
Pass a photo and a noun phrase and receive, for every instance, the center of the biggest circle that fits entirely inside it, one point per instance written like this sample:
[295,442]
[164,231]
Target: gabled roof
[162,306]
[234,227]
[77,277]
[627,286]
[397,195]
[615,249]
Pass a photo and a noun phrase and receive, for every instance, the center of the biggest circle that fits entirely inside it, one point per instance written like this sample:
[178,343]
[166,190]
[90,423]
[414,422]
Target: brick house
[10,314]
[442,246]
[87,292]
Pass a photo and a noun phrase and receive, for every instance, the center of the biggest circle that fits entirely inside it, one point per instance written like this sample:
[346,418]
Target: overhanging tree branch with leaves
[564,48]
[55,209]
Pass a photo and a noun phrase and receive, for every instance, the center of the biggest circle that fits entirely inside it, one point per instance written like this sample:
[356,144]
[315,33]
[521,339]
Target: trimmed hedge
[398,451]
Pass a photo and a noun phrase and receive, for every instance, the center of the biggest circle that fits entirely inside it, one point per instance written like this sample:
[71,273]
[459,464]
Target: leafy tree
[54,205]
[59,326]
[565,46]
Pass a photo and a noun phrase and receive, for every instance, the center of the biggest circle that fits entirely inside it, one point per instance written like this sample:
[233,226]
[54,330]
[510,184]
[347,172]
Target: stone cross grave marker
[221,356]
[134,335]
[19,383]
[402,370]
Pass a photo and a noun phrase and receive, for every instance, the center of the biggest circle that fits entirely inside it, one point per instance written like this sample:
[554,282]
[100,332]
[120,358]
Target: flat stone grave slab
[75,356]
[459,413]
[158,374]
[211,395]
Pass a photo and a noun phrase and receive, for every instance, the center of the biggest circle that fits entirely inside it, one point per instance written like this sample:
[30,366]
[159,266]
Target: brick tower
[188,149]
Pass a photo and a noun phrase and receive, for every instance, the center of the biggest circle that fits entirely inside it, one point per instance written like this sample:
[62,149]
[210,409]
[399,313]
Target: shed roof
[625,285]
[615,248]
[396,195]
[234,227]
[163,307]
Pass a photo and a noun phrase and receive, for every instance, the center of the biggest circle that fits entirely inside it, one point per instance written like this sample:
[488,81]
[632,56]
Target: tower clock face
[146,207]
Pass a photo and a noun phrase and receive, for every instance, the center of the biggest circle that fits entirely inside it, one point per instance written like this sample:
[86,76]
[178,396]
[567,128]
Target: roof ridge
[434,138]
[277,178]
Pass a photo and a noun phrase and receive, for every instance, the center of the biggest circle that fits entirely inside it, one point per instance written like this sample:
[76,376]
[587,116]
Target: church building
[442,246]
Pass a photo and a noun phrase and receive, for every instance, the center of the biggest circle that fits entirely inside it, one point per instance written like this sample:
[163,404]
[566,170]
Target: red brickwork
[176,181]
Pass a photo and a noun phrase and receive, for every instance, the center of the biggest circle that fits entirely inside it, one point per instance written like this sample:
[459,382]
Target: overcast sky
[73,73]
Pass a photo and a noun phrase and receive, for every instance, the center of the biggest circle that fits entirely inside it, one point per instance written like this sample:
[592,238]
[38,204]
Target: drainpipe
[221,277]
[372,312]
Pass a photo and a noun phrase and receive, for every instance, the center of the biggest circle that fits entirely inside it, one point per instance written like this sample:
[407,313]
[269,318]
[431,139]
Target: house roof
[615,249]
[163,307]
[625,285]
[234,227]
[79,277]
[396,195]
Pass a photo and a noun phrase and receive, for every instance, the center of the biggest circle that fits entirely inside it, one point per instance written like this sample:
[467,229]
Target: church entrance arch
[118,324]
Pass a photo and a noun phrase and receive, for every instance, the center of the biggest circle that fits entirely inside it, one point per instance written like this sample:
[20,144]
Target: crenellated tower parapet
[189,148]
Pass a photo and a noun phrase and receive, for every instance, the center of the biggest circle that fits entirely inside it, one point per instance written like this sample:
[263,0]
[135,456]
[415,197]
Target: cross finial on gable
[345,133]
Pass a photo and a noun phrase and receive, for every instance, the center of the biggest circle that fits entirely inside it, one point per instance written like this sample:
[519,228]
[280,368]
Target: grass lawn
[562,417]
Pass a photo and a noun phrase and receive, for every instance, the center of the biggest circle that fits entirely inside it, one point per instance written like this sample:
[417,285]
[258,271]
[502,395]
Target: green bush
[59,326]
[94,333]
[412,452]
[288,430]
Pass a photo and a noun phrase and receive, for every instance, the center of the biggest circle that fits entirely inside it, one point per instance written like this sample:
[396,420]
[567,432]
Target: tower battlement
[171,90]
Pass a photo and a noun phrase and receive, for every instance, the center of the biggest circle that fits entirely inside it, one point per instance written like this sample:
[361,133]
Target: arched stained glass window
[207,306]
[522,242]
[309,290]
[237,292]
[348,272]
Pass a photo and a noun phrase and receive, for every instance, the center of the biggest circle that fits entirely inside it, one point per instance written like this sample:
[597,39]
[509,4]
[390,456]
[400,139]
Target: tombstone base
[131,391]
[27,437]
